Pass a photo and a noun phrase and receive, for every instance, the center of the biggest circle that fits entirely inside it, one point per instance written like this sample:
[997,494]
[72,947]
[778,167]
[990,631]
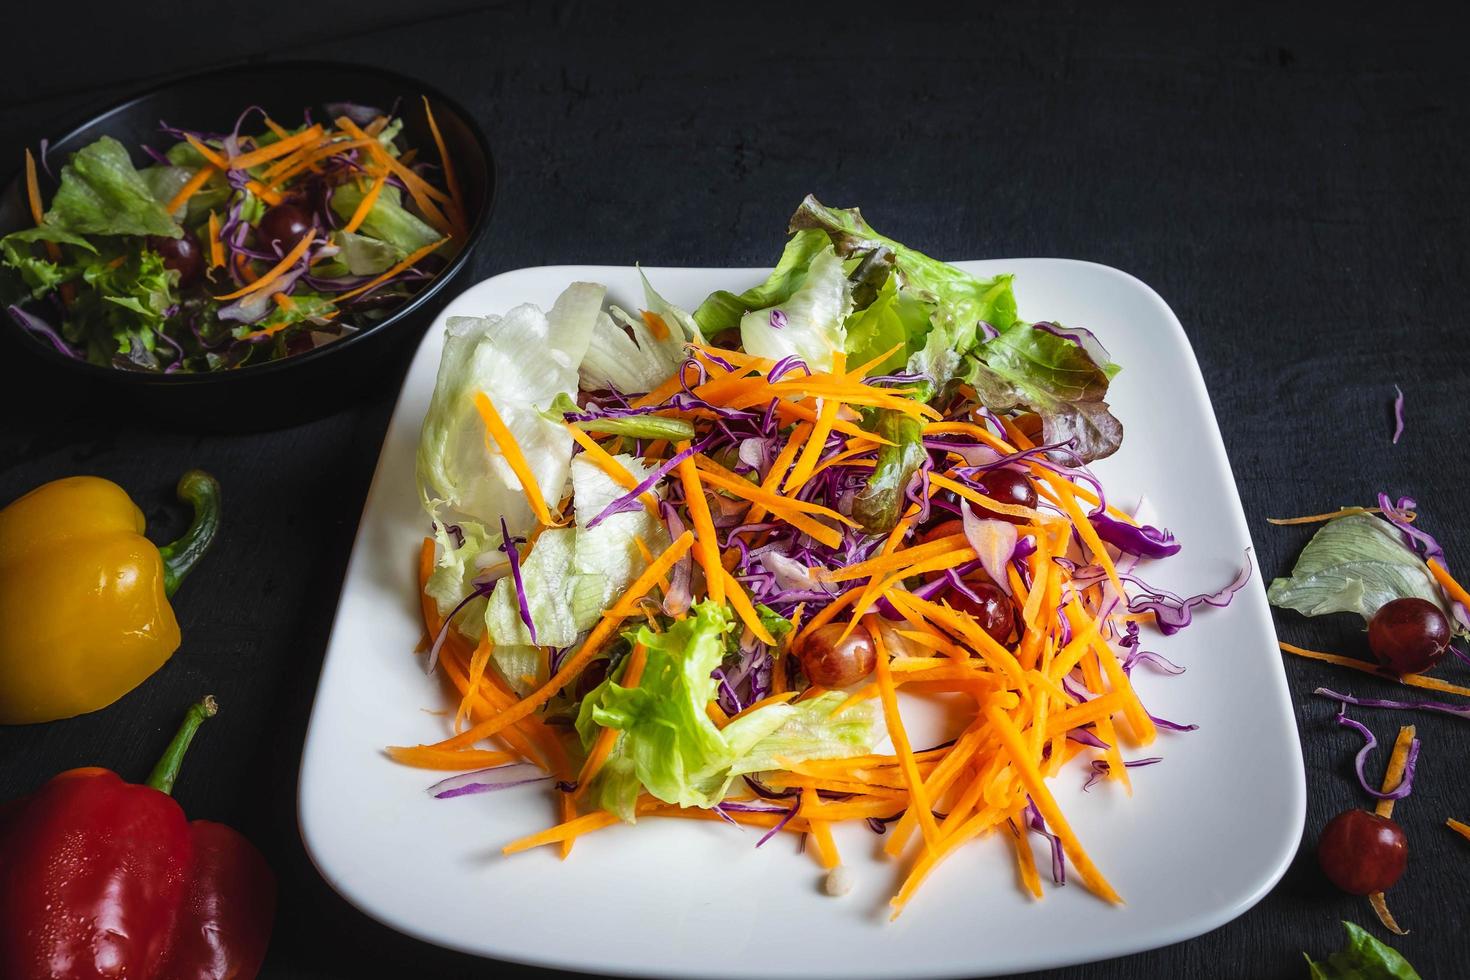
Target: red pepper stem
[163,775]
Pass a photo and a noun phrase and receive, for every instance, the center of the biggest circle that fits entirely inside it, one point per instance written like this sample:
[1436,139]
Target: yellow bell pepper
[84,611]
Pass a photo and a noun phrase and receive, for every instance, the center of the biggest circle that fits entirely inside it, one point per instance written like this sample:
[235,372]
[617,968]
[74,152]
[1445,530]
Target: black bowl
[295,388]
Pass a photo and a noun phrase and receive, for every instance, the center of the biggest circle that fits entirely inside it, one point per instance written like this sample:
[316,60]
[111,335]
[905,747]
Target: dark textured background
[1292,182]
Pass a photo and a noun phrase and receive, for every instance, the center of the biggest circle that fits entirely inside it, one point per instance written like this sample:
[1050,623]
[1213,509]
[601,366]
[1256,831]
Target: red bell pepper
[102,878]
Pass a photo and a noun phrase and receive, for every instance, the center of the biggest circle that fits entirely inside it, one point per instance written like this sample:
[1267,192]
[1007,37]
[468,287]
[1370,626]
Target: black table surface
[1291,181]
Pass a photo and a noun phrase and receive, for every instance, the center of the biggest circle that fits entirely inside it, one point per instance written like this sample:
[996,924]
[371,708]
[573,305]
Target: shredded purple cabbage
[1360,762]
[1144,540]
[1440,707]
[1100,768]
[487,780]
[1173,613]
[1398,414]
[508,545]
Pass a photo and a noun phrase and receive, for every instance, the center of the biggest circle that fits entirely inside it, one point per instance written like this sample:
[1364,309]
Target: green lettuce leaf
[723,310]
[1363,958]
[166,181]
[809,322]
[633,426]
[959,301]
[118,313]
[1026,367]
[522,361]
[878,504]
[1355,564]
[668,744]
[388,220]
[102,193]
[895,317]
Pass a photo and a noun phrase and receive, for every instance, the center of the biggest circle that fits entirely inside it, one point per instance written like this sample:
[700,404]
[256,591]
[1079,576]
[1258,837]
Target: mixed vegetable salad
[683,564]
[231,249]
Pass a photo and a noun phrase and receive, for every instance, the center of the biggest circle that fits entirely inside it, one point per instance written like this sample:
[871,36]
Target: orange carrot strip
[408,262]
[655,324]
[451,181]
[276,271]
[929,860]
[894,561]
[365,206]
[707,546]
[200,178]
[569,830]
[33,190]
[815,444]
[216,247]
[1035,785]
[277,149]
[826,848]
[901,748]
[1395,772]
[1025,859]
[498,435]
[467,760]
[254,186]
[743,487]
[1413,680]
[476,674]
[1462,829]
[1447,582]
[743,608]
[1317,518]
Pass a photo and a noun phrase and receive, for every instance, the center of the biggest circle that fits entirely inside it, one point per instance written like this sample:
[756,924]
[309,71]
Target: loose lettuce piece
[633,426]
[462,553]
[624,354]
[894,318]
[1354,564]
[722,310]
[808,730]
[1031,368]
[360,255]
[878,504]
[388,221]
[119,310]
[37,273]
[166,181]
[573,574]
[547,573]
[809,322]
[959,300]
[668,744]
[102,193]
[522,361]
[1363,958]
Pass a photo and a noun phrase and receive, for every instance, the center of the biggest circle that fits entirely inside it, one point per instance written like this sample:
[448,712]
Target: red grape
[830,661]
[994,612]
[1008,487]
[1408,635]
[1362,852]
[183,255]
[284,226]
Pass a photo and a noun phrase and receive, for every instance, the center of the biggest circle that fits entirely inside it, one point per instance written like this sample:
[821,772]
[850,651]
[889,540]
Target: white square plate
[1205,835]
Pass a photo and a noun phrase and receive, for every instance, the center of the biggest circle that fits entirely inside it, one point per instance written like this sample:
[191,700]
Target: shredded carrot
[1394,774]
[656,325]
[1463,829]
[1412,680]
[1316,518]
[277,149]
[706,544]
[826,848]
[221,164]
[33,191]
[216,247]
[1447,582]
[409,261]
[900,738]
[812,451]
[499,436]
[365,206]
[735,592]
[1036,786]
[276,271]
[456,200]
[467,760]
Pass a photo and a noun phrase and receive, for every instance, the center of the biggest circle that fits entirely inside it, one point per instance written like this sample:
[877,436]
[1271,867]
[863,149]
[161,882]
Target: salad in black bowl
[150,249]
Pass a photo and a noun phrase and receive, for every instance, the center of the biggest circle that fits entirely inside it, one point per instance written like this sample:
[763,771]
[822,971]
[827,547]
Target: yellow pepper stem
[201,491]
[163,775]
